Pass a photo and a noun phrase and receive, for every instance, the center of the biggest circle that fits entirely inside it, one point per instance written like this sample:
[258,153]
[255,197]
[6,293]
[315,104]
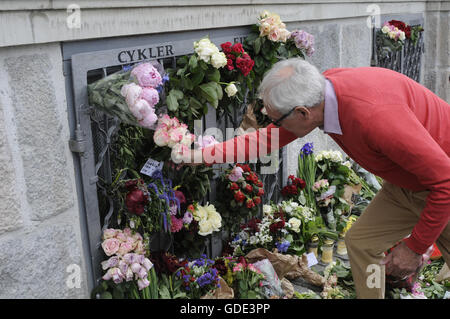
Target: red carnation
[234,186]
[239,196]
[398,24]
[226,47]
[299,183]
[245,167]
[231,57]
[259,184]
[249,188]
[257,200]
[237,48]
[250,204]
[230,64]
[260,191]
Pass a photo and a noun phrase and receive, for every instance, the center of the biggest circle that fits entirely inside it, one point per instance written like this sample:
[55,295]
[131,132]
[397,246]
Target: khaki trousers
[390,217]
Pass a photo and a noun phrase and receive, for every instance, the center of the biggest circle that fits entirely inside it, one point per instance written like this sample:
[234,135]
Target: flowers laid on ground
[199,277]
[131,95]
[294,187]
[241,194]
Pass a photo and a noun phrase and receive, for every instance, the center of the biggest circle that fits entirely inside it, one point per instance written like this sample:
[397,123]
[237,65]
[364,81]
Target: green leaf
[219,91]
[177,94]
[209,91]
[106,295]
[198,76]
[193,62]
[172,103]
[257,45]
[194,103]
[187,83]
[214,75]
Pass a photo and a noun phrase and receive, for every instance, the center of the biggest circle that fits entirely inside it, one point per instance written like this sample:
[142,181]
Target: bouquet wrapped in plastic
[130,94]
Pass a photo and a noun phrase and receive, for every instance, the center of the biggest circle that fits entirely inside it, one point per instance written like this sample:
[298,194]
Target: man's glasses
[278,122]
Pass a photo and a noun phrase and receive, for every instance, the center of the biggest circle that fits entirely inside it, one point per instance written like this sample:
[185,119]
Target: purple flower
[283,247]
[187,218]
[307,149]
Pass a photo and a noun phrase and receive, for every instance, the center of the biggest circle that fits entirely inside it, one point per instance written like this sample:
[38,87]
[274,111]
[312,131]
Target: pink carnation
[177,224]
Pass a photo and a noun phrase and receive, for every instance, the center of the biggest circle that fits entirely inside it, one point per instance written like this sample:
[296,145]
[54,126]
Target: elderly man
[390,125]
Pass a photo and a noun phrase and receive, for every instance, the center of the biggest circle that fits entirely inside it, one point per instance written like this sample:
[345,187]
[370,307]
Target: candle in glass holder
[327,251]
[313,245]
[341,248]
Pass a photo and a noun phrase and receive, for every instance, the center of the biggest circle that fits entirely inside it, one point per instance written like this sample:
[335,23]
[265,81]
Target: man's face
[300,121]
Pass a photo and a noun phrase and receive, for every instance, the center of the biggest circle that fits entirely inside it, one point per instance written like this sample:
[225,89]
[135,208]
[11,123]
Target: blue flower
[307,149]
[283,247]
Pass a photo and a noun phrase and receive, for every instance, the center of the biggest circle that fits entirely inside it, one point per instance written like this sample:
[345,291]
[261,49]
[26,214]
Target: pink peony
[149,121]
[147,75]
[111,246]
[131,93]
[179,152]
[206,140]
[235,174]
[150,95]
[161,137]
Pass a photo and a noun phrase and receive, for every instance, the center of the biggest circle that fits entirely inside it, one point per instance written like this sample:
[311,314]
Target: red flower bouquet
[237,58]
[241,191]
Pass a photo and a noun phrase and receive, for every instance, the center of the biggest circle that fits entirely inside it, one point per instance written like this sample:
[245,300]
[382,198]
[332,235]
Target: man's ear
[304,111]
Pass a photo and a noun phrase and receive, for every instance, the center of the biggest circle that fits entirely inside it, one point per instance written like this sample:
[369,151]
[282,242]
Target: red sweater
[393,127]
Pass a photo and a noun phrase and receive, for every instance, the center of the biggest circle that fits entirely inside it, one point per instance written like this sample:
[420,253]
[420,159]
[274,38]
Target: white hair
[290,83]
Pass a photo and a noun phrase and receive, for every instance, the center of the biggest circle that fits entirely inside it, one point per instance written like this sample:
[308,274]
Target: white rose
[218,60]
[206,227]
[267,209]
[385,29]
[200,213]
[295,224]
[231,90]
[288,208]
[402,36]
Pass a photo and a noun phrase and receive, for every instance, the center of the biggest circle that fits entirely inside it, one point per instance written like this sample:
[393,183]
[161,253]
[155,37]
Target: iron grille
[99,131]
[406,61]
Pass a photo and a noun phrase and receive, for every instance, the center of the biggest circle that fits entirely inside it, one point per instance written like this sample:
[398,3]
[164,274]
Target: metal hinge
[78,145]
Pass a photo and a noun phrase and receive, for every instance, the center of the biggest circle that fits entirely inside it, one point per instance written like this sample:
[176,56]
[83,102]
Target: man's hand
[402,262]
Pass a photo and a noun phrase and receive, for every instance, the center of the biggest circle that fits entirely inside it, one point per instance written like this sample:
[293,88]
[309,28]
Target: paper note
[312,260]
[151,166]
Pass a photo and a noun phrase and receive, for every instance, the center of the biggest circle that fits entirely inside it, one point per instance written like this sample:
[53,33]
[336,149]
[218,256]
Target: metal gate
[407,61]
[93,131]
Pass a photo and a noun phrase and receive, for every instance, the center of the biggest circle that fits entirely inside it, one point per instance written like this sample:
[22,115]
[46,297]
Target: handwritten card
[151,166]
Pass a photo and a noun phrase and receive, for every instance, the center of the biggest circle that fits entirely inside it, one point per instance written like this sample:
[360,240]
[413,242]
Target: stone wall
[39,219]
[41,227]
